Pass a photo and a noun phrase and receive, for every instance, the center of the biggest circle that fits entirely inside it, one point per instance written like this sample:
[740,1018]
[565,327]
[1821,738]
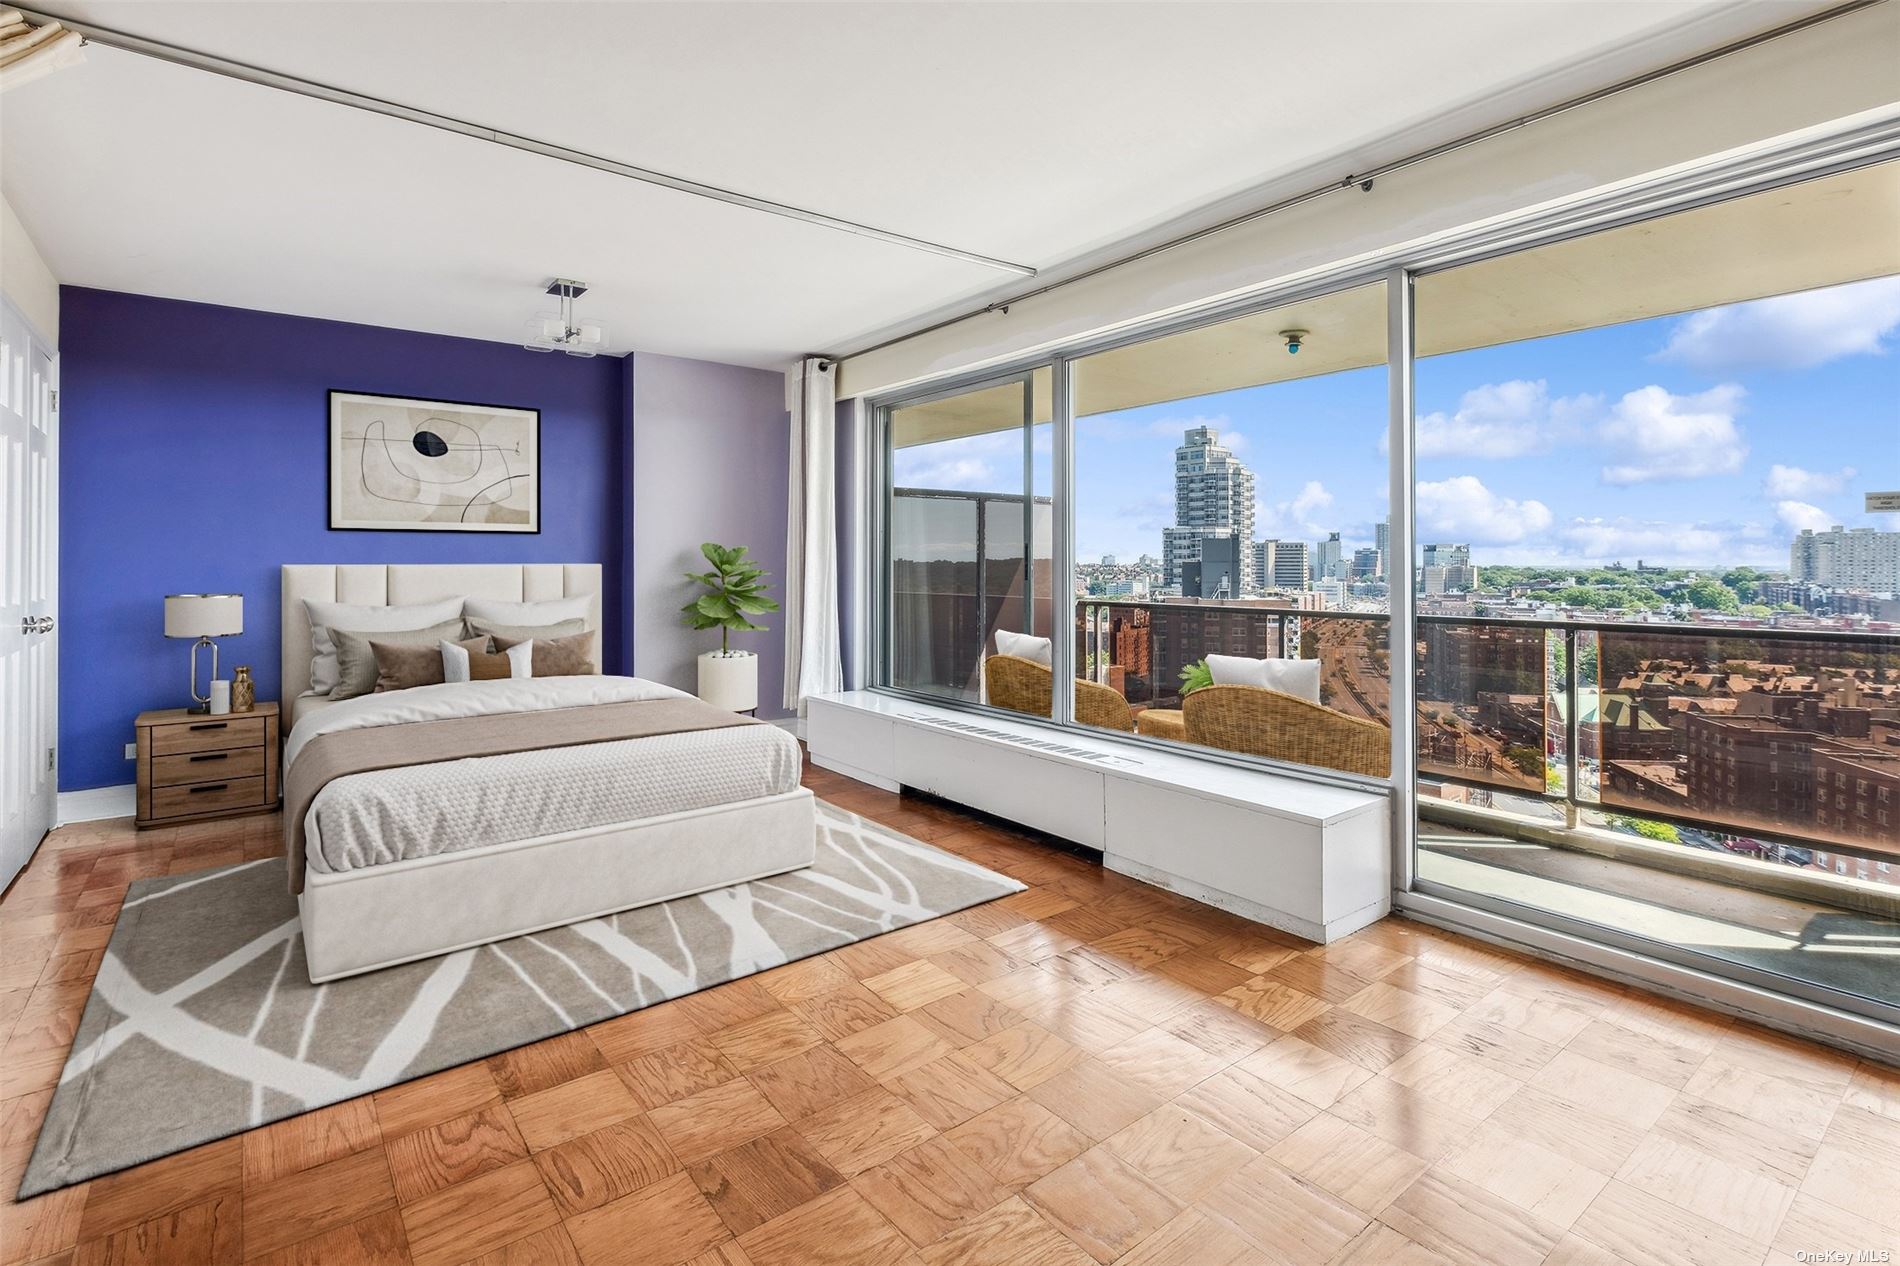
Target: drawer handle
[211,756]
[201,788]
[210,725]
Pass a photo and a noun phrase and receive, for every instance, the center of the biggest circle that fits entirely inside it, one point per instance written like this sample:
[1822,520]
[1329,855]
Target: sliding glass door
[1658,630]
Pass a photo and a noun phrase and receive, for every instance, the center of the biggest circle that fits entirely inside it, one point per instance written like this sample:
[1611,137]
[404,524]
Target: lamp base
[198,710]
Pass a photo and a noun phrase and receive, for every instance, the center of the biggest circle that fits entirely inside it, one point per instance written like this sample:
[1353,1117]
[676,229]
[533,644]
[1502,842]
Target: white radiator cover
[1305,857]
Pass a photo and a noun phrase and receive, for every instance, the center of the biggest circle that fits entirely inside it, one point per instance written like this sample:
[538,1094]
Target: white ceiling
[1050,134]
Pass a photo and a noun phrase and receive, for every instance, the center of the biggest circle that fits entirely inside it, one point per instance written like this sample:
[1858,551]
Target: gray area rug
[203,1022]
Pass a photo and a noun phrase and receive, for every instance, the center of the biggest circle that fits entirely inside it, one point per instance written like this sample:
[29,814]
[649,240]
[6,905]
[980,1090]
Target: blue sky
[1705,439]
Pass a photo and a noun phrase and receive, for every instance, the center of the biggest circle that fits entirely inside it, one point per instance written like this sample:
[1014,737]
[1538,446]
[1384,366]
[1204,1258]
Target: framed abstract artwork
[401,465]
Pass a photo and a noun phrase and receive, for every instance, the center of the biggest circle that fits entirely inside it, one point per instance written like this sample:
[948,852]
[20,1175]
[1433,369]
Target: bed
[423,821]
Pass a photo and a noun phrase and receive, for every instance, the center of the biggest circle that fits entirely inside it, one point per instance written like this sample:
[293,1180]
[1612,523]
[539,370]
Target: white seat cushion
[1024,646]
[1289,676]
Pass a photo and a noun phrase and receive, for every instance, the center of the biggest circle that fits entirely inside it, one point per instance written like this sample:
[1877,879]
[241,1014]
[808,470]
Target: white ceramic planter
[730,681]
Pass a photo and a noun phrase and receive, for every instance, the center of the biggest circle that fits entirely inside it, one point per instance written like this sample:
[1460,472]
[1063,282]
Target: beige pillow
[401,666]
[522,632]
[356,663]
[557,656]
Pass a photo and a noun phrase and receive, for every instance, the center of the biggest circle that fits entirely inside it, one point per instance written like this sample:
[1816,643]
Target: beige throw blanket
[354,751]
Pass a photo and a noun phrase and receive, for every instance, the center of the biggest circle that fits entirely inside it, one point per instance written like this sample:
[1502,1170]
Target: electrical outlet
[131,751]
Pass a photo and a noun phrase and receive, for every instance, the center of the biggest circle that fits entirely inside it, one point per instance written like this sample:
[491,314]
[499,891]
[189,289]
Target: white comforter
[390,815]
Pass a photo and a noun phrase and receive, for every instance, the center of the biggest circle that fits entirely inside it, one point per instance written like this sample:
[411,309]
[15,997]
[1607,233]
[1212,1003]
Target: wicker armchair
[1023,685]
[1286,727]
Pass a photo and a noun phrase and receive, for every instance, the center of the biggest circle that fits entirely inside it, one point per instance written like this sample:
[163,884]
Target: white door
[29,566]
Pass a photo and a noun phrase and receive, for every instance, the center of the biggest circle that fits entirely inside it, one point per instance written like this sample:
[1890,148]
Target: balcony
[1733,791]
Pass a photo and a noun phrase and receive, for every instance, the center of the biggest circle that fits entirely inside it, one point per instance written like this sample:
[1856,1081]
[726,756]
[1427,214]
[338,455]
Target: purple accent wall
[711,450]
[193,457]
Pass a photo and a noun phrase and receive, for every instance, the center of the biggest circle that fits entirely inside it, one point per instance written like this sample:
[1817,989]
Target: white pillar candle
[220,697]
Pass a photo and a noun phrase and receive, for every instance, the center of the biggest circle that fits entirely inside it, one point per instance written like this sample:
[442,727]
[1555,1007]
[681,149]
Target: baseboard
[95,803]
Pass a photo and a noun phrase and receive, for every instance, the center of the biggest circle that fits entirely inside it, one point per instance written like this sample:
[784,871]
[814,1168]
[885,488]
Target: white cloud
[1505,419]
[972,463]
[1301,516]
[1792,481]
[1797,331]
[1463,509]
[1658,434]
[1599,541]
[1799,515]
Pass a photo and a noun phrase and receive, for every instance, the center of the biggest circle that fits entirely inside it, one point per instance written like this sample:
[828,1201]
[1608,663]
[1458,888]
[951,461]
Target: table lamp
[203,616]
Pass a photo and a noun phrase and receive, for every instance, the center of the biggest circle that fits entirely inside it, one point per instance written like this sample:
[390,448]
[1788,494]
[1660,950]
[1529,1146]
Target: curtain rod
[230,68]
[1364,180]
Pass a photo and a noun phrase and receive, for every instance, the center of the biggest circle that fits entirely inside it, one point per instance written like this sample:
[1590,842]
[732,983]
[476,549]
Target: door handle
[44,624]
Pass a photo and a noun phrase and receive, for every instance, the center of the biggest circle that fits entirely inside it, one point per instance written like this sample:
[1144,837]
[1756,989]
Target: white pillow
[455,660]
[325,616]
[1023,646]
[521,659]
[1288,676]
[547,611]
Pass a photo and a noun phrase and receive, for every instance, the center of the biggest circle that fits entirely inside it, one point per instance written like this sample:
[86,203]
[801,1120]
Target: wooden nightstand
[193,766]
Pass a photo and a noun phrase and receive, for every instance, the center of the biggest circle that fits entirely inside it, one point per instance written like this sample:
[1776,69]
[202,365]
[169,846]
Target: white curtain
[813,658]
[27,52]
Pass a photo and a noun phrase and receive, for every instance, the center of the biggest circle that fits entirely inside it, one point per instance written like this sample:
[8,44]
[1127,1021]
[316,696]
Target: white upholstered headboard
[399,584]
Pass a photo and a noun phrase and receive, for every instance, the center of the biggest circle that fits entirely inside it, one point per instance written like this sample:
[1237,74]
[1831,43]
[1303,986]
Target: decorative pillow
[1023,646]
[403,665]
[557,656]
[547,611]
[522,632]
[471,661]
[356,669]
[325,616]
[1288,676]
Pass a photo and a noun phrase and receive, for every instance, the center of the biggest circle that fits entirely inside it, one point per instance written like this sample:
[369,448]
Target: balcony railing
[1781,742]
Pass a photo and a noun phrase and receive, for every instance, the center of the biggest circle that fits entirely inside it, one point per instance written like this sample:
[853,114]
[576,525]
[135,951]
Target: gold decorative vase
[243,690]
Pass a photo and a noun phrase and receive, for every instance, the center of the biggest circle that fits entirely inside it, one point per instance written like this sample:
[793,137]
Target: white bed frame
[360,920]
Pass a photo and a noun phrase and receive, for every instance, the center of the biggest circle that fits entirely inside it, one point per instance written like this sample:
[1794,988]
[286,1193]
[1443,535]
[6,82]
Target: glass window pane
[1659,682]
[1230,501]
[960,570]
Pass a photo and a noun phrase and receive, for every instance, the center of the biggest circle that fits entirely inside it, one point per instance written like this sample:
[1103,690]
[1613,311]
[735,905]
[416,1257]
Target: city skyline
[1705,439]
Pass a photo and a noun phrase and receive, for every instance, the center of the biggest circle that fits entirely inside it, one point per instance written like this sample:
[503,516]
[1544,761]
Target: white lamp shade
[204,614]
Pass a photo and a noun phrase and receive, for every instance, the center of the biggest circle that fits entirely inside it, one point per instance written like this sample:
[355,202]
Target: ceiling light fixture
[557,331]
[1295,340]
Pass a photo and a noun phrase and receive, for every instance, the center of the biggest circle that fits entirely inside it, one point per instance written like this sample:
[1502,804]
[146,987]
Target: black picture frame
[356,505]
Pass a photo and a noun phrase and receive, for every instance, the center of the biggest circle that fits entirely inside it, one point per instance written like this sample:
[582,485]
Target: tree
[1712,595]
[1660,831]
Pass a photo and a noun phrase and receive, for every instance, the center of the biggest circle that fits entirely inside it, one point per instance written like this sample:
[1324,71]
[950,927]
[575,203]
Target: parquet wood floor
[1091,1071]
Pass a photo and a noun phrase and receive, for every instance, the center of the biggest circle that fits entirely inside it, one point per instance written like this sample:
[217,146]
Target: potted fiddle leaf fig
[732,591]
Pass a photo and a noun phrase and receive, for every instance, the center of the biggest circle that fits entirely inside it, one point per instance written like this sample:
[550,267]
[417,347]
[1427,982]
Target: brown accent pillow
[399,665]
[488,666]
[557,656]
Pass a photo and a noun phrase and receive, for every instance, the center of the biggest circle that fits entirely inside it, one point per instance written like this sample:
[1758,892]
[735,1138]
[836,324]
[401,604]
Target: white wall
[25,278]
[1840,69]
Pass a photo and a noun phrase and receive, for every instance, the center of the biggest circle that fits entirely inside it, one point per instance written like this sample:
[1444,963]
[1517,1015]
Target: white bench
[1306,857]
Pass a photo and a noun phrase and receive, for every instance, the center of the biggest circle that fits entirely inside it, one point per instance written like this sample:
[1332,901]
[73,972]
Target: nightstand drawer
[186,767]
[207,797]
[209,735]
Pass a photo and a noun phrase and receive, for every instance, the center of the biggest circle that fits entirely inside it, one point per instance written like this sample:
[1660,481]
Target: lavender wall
[710,455]
[193,457]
